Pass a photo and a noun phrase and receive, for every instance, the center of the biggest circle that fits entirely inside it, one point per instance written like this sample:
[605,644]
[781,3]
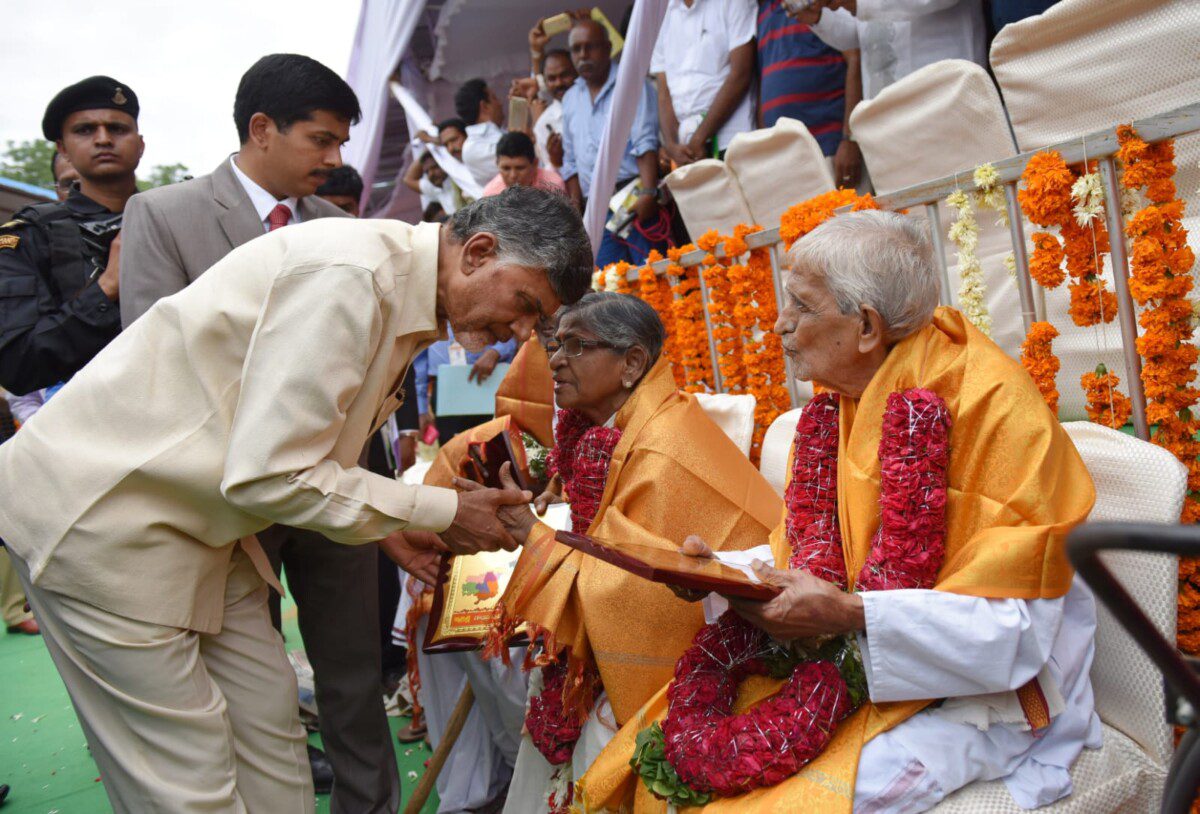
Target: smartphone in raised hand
[518,113]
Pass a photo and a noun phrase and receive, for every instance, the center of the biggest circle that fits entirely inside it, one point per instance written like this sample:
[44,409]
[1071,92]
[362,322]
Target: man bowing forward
[131,500]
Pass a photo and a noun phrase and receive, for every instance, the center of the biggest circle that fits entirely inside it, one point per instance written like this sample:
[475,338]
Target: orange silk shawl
[673,473]
[1017,486]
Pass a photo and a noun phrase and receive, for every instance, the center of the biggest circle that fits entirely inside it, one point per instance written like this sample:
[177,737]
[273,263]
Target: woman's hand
[808,606]
[553,494]
[693,546]
[516,518]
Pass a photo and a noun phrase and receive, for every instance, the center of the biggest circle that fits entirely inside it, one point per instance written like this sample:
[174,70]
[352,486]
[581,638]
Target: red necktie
[279,216]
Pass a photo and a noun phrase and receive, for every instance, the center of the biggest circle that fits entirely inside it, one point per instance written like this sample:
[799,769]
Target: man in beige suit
[245,400]
[292,115]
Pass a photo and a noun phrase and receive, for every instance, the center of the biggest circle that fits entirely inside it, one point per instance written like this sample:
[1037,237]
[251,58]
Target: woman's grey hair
[533,228]
[621,320]
[876,258]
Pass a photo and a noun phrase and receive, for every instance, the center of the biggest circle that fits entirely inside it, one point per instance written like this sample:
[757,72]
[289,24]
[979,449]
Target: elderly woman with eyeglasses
[638,462]
[922,565]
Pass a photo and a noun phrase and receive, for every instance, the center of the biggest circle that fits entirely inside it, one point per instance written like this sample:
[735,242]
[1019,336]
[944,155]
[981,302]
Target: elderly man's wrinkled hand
[808,606]
[477,525]
[693,546]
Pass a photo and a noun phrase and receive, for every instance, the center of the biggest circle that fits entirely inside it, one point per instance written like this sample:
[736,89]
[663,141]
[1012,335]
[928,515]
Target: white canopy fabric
[631,73]
[385,28]
[418,120]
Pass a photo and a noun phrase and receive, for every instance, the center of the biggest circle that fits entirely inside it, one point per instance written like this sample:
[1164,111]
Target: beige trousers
[12,597]
[179,721]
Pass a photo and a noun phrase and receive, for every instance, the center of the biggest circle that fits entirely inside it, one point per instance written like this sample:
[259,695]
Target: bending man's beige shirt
[243,400]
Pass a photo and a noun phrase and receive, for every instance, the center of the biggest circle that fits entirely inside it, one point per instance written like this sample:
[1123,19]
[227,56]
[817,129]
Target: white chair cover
[708,197]
[777,167]
[777,445]
[733,414]
[943,119]
[1135,482]
[1089,65]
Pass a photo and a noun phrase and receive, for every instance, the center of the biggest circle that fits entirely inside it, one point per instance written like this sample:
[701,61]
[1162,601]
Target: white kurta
[929,644]
[975,653]
[896,37]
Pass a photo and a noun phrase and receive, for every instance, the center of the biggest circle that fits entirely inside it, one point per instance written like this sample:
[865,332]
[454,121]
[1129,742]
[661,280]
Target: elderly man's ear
[476,251]
[872,333]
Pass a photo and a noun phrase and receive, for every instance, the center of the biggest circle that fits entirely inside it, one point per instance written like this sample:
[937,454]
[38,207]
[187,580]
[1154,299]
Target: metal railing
[1099,146]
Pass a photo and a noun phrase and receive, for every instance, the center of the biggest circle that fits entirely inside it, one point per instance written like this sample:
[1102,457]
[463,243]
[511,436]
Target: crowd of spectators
[719,68]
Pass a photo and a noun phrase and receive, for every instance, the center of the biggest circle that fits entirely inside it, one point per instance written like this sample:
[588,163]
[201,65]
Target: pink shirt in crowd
[548,180]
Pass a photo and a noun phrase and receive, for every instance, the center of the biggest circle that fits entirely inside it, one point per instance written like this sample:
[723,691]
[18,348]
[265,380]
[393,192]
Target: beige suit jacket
[173,234]
[243,400]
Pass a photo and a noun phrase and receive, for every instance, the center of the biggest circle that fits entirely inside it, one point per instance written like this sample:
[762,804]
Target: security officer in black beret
[59,262]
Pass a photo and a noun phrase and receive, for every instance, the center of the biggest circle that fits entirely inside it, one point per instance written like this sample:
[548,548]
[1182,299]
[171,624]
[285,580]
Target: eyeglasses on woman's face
[574,346]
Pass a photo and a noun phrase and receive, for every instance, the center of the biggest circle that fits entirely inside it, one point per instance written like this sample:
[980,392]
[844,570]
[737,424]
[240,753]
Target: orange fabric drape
[674,472]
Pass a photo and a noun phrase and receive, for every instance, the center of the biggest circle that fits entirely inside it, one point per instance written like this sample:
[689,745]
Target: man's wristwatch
[644,192]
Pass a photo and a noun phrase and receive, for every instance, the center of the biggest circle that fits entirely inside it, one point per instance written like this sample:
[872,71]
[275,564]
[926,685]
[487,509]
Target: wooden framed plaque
[466,599]
[670,567]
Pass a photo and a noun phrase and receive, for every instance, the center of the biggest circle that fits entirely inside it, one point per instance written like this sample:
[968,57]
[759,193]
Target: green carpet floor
[43,755]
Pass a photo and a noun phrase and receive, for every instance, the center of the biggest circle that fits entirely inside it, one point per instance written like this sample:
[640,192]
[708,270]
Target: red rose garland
[581,455]
[710,750]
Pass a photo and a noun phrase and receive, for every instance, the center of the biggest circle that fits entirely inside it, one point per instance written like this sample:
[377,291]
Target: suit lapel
[235,212]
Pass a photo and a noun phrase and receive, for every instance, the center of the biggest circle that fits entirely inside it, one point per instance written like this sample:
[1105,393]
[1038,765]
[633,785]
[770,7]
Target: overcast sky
[183,59]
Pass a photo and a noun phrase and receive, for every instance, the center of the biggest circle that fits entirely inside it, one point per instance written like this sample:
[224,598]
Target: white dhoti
[481,763]
[534,777]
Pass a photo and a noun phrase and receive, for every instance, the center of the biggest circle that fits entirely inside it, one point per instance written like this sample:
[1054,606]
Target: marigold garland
[1160,281]
[1045,263]
[964,233]
[726,329]
[1105,404]
[1038,358]
[691,337]
[800,219]
[655,289]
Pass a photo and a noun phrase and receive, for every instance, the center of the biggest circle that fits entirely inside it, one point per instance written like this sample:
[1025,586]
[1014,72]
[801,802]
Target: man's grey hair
[876,258]
[533,228]
[621,320]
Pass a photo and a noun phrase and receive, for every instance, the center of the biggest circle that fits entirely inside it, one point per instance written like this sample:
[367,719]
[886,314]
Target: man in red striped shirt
[802,78]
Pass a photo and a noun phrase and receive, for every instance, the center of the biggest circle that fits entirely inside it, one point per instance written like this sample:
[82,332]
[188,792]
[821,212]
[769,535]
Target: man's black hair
[561,53]
[515,145]
[457,124]
[467,99]
[434,213]
[290,88]
[343,180]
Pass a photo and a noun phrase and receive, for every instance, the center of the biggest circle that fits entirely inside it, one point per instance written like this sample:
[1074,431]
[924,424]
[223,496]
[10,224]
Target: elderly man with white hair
[921,566]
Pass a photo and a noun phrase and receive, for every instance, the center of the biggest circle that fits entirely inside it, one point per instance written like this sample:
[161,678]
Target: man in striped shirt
[802,78]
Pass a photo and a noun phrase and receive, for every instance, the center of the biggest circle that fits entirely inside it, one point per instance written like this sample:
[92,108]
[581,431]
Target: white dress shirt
[263,201]
[479,150]
[693,51]
[549,122]
[896,37]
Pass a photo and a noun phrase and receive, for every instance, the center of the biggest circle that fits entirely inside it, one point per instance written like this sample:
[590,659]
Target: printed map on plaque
[468,591]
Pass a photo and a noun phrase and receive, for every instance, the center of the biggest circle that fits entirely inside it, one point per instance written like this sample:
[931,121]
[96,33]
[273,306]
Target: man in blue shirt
[586,106]
[450,352]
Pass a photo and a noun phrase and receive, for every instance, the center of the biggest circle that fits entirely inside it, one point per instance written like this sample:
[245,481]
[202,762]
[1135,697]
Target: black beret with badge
[93,93]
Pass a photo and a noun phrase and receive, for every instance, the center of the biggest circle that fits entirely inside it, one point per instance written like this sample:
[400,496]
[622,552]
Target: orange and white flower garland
[726,331]
[691,337]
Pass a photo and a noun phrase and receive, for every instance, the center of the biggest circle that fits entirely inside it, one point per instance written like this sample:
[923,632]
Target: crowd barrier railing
[1100,146]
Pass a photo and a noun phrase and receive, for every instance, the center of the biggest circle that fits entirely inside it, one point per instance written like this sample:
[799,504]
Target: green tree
[164,174]
[28,162]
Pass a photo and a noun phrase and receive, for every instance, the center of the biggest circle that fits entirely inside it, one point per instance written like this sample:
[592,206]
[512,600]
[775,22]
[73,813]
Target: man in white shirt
[292,115]
[482,111]
[704,59]
[559,74]
[896,37]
